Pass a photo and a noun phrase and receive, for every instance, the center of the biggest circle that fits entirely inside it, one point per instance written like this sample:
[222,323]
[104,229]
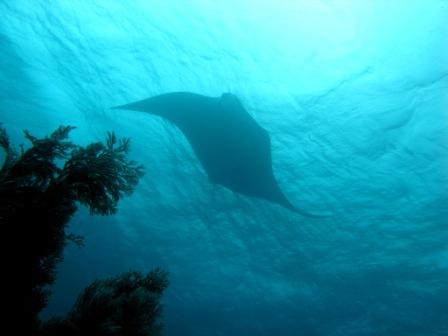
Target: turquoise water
[354,95]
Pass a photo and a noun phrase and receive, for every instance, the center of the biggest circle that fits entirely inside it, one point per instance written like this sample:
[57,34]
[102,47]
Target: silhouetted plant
[128,304]
[40,189]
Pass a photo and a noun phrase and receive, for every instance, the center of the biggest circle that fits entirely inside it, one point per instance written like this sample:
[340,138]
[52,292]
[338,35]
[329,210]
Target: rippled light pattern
[355,97]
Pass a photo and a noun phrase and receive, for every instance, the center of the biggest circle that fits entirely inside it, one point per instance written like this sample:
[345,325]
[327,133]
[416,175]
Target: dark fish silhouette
[234,150]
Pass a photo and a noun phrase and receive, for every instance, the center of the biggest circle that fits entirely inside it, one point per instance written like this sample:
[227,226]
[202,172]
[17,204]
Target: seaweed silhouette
[40,190]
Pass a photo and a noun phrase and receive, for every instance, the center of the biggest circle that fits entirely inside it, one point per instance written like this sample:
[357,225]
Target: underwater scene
[224,168]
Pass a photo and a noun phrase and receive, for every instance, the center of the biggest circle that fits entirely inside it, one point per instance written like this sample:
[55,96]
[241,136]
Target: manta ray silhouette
[233,149]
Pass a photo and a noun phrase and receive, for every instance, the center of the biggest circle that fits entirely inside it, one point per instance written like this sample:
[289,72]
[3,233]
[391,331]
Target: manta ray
[234,150]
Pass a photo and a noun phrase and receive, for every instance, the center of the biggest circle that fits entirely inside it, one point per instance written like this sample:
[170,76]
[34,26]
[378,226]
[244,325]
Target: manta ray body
[233,149]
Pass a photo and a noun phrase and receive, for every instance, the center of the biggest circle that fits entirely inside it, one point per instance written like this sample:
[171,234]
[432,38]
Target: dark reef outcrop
[40,190]
[128,304]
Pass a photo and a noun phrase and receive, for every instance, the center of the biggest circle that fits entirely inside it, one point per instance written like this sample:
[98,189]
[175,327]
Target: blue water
[354,95]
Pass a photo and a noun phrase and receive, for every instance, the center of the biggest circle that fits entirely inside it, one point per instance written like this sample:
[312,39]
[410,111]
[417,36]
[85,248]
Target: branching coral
[40,189]
[125,305]
[99,175]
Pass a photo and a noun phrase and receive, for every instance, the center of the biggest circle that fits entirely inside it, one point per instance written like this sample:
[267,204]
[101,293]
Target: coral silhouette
[40,190]
[128,304]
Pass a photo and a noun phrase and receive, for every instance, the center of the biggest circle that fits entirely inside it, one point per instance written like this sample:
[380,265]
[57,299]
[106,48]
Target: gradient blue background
[355,97]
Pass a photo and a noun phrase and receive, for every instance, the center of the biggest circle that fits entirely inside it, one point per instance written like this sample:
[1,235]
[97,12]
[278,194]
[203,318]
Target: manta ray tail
[307,214]
[304,213]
